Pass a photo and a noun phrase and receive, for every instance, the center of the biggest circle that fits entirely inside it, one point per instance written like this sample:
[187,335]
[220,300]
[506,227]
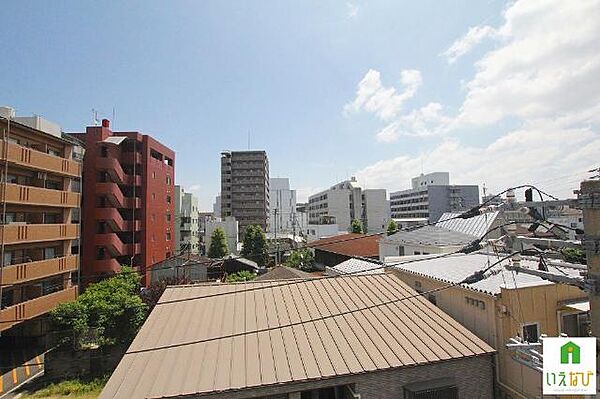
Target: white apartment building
[430,196]
[345,201]
[231,228]
[187,224]
[282,206]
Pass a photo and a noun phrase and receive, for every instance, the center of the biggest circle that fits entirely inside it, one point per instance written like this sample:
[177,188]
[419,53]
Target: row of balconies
[37,160]
[20,312]
[19,233]
[30,195]
[29,271]
[113,167]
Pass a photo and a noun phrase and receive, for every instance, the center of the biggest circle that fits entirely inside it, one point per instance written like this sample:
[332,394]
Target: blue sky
[200,75]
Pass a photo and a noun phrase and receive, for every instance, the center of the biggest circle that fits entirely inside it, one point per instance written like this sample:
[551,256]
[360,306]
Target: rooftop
[350,244]
[431,235]
[475,226]
[357,266]
[455,268]
[268,336]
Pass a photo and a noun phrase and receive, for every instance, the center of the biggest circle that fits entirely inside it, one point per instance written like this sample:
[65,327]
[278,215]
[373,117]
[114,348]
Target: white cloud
[463,45]
[542,76]
[352,10]
[384,102]
[194,188]
[548,64]
[425,121]
[528,155]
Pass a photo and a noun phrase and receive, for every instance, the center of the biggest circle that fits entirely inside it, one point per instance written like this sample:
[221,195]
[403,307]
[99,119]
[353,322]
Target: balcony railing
[17,233]
[29,195]
[33,159]
[34,307]
[22,272]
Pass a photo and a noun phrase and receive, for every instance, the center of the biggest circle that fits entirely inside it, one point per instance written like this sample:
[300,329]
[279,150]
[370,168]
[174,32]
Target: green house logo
[570,353]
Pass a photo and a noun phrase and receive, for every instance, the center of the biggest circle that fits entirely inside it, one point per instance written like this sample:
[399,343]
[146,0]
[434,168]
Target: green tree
[112,308]
[218,244]
[242,275]
[254,245]
[356,226]
[392,227]
[574,255]
[301,259]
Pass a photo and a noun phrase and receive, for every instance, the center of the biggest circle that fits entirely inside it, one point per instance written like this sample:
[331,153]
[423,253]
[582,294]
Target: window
[168,217]
[531,332]
[154,175]
[153,196]
[153,217]
[168,199]
[49,253]
[168,235]
[444,388]
[168,180]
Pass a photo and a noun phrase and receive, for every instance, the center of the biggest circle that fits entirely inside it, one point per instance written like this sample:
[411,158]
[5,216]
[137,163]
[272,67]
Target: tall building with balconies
[245,188]
[40,173]
[187,224]
[128,201]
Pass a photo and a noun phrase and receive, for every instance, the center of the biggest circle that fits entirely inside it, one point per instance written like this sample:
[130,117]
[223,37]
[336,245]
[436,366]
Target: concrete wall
[283,200]
[451,199]
[376,209]
[231,229]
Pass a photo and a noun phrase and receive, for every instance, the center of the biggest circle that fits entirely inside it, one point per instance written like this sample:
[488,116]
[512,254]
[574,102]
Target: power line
[479,275]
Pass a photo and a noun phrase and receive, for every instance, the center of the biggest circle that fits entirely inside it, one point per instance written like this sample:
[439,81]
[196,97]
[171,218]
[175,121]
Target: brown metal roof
[405,333]
[351,244]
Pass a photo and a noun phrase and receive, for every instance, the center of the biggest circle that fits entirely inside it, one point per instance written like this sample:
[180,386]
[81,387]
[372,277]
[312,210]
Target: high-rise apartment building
[346,201]
[187,223]
[282,215]
[245,188]
[431,196]
[128,201]
[40,173]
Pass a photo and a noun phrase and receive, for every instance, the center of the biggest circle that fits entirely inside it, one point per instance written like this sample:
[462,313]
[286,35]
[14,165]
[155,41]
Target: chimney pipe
[105,123]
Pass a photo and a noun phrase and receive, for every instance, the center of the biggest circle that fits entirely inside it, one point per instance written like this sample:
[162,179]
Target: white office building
[186,222]
[231,228]
[346,201]
[282,206]
[430,196]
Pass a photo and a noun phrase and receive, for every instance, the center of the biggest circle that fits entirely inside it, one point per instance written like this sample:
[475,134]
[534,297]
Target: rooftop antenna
[95,117]
[113,118]
[484,190]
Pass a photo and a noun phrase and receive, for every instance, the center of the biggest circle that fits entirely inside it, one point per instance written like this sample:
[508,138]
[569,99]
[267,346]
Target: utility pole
[589,201]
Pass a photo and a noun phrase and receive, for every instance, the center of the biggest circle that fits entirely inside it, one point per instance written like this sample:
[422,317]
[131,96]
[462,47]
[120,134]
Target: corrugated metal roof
[431,235]
[455,268]
[351,244]
[476,226]
[358,266]
[407,333]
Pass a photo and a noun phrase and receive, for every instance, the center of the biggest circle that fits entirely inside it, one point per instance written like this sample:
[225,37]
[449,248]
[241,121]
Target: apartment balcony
[115,246]
[21,233]
[30,195]
[113,217]
[113,167]
[130,157]
[23,272]
[106,266]
[116,197]
[37,160]
[34,307]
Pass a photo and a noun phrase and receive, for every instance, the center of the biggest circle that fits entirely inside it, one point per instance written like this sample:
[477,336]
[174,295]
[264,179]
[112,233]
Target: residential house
[504,305]
[268,340]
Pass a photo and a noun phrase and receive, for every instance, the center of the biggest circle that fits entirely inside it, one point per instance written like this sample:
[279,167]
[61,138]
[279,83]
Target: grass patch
[75,388]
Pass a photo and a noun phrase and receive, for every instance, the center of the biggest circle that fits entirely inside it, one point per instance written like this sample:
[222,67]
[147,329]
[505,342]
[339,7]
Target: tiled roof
[283,273]
[454,268]
[351,244]
[292,346]
[358,266]
[476,226]
[431,235]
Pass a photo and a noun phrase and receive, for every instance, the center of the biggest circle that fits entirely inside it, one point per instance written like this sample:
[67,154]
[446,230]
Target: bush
[301,259]
[72,388]
[243,275]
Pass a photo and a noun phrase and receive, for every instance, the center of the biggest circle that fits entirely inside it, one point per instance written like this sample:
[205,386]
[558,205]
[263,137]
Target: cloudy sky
[497,93]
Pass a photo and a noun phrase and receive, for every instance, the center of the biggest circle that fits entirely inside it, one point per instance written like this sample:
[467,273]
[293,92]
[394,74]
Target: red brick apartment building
[128,202]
